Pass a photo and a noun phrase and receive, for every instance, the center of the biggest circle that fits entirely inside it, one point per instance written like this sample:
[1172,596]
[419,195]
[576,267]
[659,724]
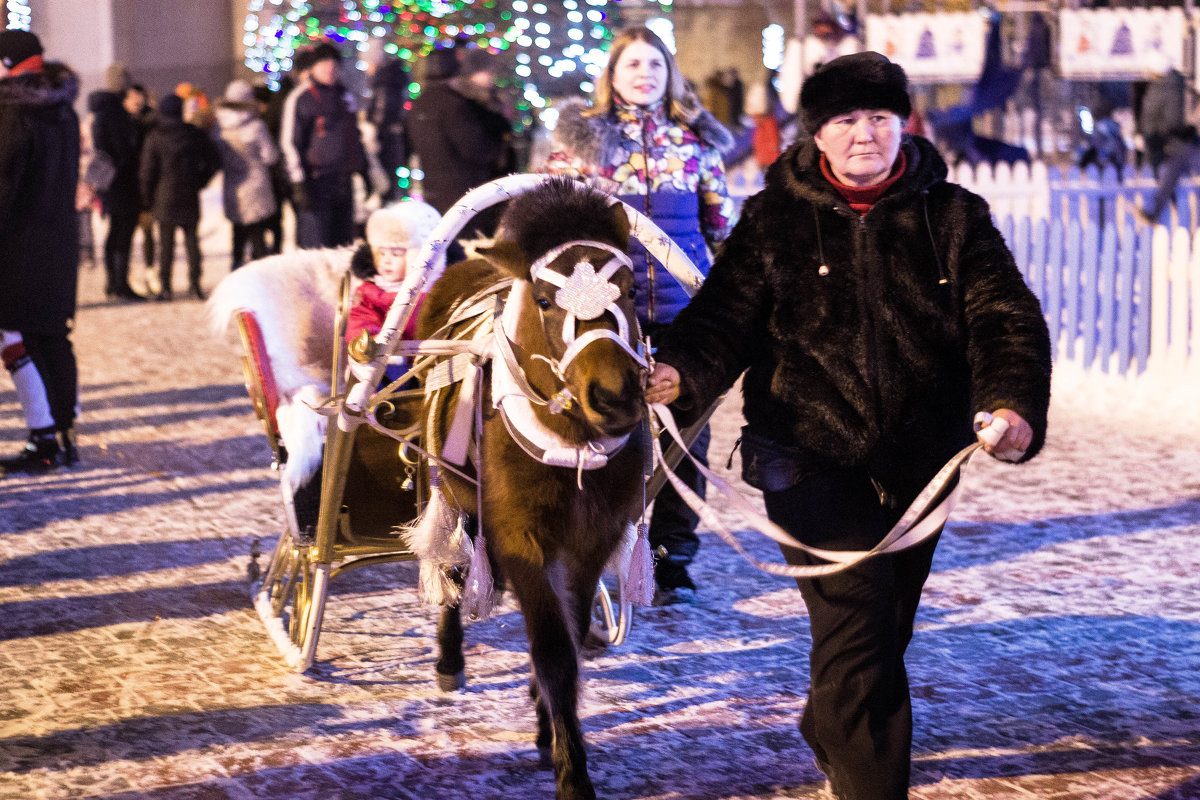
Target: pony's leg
[545,736]
[451,674]
[555,668]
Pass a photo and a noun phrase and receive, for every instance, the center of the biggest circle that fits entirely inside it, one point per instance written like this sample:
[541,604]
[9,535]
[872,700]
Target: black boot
[70,449]
[41,454]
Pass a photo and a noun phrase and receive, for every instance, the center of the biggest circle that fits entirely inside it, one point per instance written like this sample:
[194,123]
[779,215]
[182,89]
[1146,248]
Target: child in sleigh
[395,235]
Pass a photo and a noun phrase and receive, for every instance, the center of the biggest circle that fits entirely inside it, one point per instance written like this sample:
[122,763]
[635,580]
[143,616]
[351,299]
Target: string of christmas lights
[19,15]
[549,49]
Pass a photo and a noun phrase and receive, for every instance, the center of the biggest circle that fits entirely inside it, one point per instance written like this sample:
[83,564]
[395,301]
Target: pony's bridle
[587,294]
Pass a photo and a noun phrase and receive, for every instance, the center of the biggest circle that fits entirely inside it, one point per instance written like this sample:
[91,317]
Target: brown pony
[547,524]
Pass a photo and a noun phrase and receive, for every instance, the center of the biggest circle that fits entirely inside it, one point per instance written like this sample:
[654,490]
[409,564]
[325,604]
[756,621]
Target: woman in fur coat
[647,140]
[875,309]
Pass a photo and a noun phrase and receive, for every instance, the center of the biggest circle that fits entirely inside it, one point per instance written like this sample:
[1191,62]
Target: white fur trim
[303,432]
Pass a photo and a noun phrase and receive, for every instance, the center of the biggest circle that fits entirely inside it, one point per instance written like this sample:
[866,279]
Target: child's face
[391,262]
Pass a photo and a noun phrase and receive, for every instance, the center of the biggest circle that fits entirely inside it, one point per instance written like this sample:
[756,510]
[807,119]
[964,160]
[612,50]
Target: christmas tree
[545,50]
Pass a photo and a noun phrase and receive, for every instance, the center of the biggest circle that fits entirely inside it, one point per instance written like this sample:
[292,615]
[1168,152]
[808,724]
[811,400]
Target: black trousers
[673,523]
[118,245]
[858,719]
[253,234]
[54,358]
[331,204]
[191,246]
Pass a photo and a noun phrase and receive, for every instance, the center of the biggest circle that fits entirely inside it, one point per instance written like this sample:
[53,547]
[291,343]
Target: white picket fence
[1118,296]
[1123,299]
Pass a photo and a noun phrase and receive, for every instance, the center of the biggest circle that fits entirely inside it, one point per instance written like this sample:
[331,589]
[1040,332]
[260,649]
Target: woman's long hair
[681,103]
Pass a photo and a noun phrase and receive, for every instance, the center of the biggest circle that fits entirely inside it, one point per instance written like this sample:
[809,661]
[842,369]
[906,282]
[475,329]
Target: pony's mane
[559,211]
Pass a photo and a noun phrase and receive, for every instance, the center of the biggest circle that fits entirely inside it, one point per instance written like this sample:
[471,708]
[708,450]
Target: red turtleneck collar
[861,198]
[31,64]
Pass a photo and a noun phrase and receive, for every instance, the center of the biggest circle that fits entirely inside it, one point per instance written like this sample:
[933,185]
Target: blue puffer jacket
[659,295]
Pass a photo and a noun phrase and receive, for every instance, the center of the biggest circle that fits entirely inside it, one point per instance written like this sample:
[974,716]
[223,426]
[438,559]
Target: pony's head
[571,313]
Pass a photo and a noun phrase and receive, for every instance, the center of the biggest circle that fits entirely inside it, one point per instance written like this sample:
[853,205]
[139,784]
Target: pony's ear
[507,255]
[620,219]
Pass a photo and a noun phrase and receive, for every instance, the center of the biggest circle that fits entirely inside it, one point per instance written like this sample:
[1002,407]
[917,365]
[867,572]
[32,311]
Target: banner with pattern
[1120,43]
[944,48]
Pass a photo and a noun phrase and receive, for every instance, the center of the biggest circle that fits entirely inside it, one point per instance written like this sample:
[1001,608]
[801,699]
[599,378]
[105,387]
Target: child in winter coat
[247,153]
[395,235]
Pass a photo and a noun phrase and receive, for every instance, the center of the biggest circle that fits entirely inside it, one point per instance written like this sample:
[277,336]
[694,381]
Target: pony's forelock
[560,211]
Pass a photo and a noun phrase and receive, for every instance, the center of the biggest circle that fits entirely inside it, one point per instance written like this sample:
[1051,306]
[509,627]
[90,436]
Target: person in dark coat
[39,232]
[325,135]
[461,140]
[389,94]
[1162,109]
[875,309]
[145,117]
[178,161]
[116,135]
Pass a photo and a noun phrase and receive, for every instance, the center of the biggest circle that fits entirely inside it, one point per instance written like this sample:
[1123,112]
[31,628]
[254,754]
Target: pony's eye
[632,293]
[544,303]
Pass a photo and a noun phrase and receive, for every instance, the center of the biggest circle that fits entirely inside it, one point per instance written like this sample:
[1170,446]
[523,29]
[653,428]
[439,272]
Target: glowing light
[773,46]
[553,44]
[665,30]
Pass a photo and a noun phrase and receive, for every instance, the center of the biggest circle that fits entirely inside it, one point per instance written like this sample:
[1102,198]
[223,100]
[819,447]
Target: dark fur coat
[874,361]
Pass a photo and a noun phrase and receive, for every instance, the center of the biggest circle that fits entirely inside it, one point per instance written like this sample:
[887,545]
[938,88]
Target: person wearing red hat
[39,237]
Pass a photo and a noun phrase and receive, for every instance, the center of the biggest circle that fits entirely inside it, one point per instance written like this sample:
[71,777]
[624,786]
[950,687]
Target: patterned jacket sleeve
[716,206]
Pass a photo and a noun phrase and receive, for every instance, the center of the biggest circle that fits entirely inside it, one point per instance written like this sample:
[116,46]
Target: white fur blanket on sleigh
[294,297]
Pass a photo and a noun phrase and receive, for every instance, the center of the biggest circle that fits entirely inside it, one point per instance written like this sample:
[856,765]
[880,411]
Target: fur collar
[798,172]
[55,84]
[593,139]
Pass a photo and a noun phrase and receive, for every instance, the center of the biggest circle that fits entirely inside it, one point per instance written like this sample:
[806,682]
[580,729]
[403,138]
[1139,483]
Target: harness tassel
[479,592]
[639,581]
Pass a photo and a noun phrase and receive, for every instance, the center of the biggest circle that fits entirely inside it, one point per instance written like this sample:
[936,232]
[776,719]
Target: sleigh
[374,475]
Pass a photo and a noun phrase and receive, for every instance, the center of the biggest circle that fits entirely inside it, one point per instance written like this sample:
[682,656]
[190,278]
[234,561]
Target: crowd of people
[873,307]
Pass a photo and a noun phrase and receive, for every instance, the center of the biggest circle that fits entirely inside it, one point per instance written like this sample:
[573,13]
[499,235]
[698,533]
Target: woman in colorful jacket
[647,140]
[875,310]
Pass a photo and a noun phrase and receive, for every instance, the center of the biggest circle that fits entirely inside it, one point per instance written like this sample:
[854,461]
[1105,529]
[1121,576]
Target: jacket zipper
[650,276]
[867,301]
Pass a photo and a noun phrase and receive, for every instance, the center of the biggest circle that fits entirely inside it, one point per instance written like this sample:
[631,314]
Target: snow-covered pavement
[1057,653]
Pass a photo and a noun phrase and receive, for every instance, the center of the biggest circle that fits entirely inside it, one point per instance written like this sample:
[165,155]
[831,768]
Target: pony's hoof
[452,683]
[595,640]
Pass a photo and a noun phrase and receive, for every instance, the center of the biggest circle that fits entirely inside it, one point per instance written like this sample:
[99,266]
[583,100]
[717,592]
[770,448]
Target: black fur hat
[850,83]
[17,46]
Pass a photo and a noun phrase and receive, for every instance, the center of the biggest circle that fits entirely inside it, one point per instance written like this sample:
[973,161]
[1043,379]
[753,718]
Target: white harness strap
[923,518]
[536,439]
[516,408]
[587,294]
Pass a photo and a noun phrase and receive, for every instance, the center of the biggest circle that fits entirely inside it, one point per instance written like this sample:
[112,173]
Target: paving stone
[1057,652]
